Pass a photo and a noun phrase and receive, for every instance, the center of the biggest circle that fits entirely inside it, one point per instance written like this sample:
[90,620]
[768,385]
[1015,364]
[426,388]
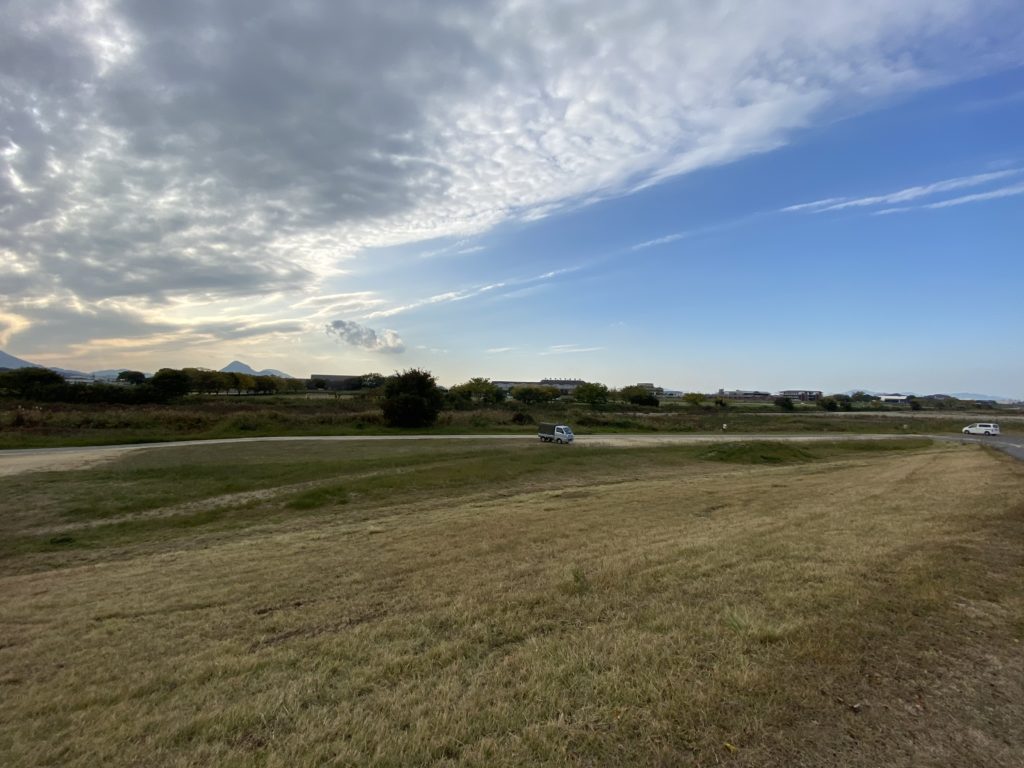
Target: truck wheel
[559,441]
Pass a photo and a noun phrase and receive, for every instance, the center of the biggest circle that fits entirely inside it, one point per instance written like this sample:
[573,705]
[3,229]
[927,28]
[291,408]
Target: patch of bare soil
[59,460]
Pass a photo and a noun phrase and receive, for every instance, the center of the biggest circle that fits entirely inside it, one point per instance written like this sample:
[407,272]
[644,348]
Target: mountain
[237,366]
[957,395]
[976,396]
[10,361]
[69,373]
[887,392]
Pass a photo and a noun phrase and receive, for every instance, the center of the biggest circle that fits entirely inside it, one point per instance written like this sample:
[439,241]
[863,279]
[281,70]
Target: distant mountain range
[235,366]
[957,395]
[10,361]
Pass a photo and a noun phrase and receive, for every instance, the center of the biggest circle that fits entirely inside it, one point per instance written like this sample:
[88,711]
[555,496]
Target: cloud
[440,298]
[356,335]
[498,350]
[10,324]
[660,241]
[903,195]
[469,293]
[193,151]
[995,194]
[1011,97]
[569,349]
[325,305]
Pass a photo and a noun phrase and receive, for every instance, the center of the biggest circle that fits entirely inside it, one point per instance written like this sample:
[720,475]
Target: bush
[784,403]
[32,383]
[522,418]
[411,399]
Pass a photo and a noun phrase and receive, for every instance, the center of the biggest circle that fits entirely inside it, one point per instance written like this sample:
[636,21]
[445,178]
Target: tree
[693,398]
[592,394]
[35,383]
[845,402]
[828,404]
[206,381]
[529,395]
[240,382]
[915,404]
[371,380]
[170,383]
[267,385]
[785,403]
[638,395]
[478,390]
[411,399]
[132,377]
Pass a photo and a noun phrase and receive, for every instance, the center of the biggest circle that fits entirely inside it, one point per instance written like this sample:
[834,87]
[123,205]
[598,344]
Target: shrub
[411,399]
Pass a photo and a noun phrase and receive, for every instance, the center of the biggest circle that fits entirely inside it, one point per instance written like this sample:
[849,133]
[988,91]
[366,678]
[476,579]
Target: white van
[981,428]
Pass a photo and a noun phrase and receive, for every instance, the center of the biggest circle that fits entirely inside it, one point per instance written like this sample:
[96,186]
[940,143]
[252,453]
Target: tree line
[411,398]
[131,387]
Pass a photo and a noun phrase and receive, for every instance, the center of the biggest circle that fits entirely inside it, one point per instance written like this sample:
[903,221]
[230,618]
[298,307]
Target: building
[564,386]
[806,395]
[507,386]
[744,394]
[897,398]
[72,377]
[649,386]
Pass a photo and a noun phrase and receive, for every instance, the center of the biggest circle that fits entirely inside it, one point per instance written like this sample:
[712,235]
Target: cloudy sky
[774,194]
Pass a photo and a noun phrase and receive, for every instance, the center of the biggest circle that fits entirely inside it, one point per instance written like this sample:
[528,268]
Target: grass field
[200,418]
[511,604]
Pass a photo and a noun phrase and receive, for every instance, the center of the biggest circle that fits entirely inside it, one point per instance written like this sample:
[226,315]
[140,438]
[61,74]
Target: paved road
[57,459]
[1010,444]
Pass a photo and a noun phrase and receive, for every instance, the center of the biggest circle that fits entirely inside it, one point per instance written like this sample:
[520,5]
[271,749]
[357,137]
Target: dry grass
[646,608]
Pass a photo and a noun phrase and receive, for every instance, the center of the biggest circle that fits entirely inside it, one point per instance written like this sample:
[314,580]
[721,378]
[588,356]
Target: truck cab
[555,433]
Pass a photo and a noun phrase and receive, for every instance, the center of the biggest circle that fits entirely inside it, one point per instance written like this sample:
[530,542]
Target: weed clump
[579,583]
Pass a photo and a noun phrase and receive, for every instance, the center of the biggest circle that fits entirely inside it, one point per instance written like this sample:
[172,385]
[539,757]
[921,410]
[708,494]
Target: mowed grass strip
[165,495]
[632,607]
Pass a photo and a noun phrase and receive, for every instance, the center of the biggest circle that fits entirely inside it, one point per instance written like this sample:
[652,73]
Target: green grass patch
[154,498]
[315,498]
[756,453]
[200,418]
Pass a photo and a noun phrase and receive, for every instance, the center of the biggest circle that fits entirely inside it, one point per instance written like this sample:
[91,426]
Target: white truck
[555,433]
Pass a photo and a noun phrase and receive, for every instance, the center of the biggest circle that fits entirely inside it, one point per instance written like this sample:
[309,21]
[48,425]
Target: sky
[735,194]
